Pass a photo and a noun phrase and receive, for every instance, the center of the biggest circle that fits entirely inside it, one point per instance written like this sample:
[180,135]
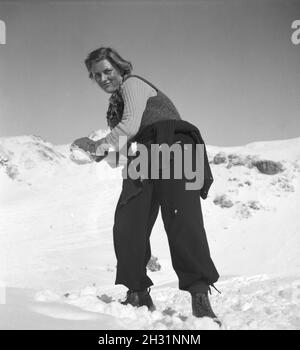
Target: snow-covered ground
[57,263]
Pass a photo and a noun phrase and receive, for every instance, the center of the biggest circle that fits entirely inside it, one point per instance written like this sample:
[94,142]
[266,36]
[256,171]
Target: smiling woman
[144,114]
[107,67]
[106,76]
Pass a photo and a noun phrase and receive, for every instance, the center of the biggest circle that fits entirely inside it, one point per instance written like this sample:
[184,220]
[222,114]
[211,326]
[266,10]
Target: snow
[57,263]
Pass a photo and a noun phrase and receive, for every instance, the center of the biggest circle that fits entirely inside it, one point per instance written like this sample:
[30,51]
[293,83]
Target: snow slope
[57,262]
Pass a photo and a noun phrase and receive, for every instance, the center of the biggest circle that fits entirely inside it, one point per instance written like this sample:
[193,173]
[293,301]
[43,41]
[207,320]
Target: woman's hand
[88,147]
[85,144]
[96,150]
[80,151]
[101,147]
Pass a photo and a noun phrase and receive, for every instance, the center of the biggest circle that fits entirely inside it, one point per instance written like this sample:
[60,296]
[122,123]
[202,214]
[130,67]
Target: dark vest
[158,108]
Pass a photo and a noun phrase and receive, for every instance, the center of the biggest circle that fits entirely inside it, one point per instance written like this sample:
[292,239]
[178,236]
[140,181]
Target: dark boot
[201,306]
[139,298]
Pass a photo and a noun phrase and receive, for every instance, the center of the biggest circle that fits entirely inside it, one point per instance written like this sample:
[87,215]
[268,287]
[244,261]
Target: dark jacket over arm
[163,132]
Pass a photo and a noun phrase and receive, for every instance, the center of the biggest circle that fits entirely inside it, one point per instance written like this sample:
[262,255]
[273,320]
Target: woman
[142,113]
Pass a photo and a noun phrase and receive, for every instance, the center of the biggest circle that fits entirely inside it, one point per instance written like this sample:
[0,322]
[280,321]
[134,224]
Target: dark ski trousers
[183,222]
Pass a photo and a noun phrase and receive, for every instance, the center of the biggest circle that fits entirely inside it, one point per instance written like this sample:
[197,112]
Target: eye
[97,76]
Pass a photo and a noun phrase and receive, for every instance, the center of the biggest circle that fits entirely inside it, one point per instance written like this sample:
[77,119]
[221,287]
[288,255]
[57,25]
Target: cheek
[117,80]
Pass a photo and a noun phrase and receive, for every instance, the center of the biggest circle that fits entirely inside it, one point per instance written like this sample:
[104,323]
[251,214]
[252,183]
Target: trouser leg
[151,221]
[182,216]
[183,222]
[133,224]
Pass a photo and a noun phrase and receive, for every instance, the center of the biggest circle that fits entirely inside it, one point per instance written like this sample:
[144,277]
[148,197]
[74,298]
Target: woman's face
[106,76]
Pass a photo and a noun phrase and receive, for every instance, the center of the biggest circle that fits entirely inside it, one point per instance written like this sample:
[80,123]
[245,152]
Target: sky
[230,67]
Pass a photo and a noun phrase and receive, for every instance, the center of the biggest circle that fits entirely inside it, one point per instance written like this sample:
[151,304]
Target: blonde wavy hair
[124,66]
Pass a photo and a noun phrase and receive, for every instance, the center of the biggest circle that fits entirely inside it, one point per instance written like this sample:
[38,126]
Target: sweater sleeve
[135,93]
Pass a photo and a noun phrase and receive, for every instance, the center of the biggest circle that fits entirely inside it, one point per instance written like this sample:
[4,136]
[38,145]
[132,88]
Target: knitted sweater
[143,105]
